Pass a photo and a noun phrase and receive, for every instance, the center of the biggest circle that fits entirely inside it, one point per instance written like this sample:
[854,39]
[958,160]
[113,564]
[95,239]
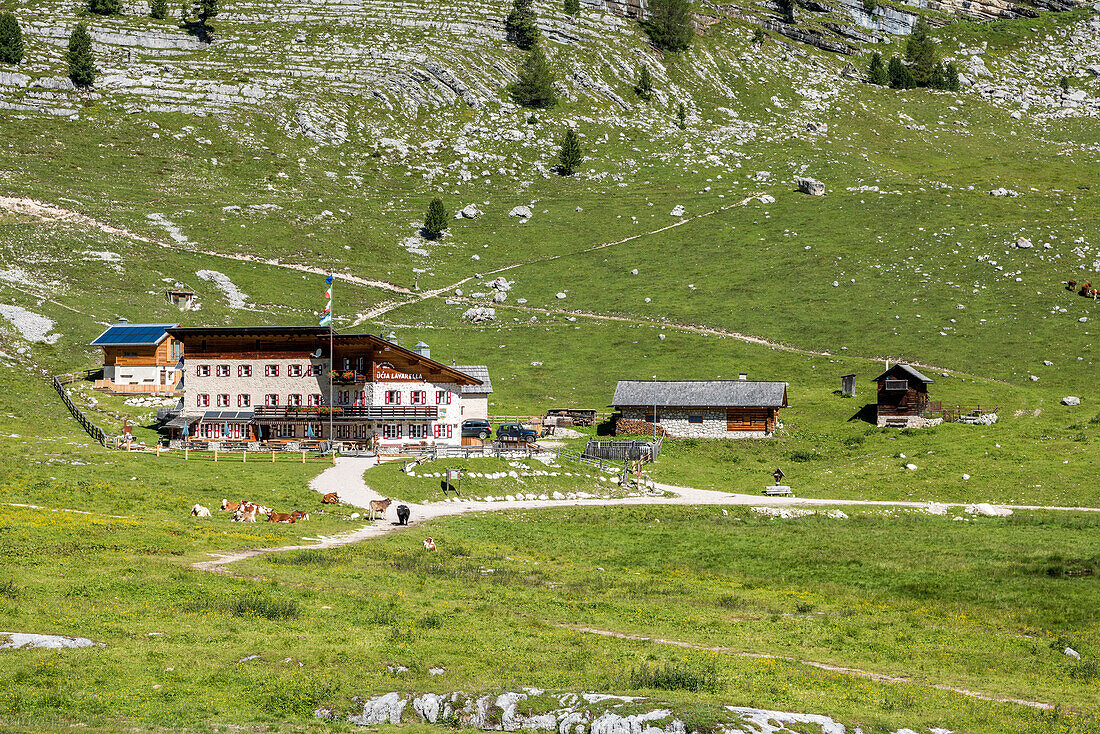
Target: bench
[778,491]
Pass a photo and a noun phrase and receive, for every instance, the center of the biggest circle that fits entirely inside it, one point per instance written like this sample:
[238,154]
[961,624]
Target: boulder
[810,186]
[1071,400]
[501,284]
[988,510]
[1023,243]
[470,211]
[1093,69]
[677,211]
[1070,652]
[520,211]
[560,296]
[479,314]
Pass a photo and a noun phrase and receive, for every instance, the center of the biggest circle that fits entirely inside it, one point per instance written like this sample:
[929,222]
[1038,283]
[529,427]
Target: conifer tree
[535,87]
[205,10]
[436,219]
[900,76]
[644,87]
[521,24]
[11,39]
[951,77]
[158,9]
[570,155]
[669,24]
[572,7]
[105,7]
[876,72]
[82,69]
[681,116]
[920,53]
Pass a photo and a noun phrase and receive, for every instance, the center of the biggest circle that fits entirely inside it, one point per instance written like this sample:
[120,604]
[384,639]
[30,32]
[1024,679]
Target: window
[650,418]
[294,401]
[271,370]
[900,385]
[244,370]
[271,400]
[176,349]
[418,397]
[418,430]
[202,400]
[442,397]
[393,397]
[244,401]
[311,371]
[221,370]
[345,397]
[222,400]
[695,419]
[313,400]
[203,370]
[294,370]
[390,430]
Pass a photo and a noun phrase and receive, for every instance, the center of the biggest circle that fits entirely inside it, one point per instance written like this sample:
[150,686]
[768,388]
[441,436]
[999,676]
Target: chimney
[743,376]
[123,320]
[391,338]
[423,350]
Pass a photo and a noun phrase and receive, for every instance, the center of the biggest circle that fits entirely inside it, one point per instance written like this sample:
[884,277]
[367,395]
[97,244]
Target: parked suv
[476,428]
[516,431]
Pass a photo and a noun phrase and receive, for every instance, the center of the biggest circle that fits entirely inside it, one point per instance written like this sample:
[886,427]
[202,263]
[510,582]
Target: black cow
[402,514]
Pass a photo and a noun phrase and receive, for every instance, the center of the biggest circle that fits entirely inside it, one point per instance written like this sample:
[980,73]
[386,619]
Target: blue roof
[130,335]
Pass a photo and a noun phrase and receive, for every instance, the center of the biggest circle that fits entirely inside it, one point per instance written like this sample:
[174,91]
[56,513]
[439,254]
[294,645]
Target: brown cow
[281,517]
[230,506]
[378,509]
[330,499]
[300,515]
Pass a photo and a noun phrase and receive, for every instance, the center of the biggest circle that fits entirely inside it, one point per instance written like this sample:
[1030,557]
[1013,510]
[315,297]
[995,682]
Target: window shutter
[400,431]
[397,394]
[448,397]
[449,427]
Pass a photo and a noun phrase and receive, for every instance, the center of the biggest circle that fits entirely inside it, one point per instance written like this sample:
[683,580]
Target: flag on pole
[326,320]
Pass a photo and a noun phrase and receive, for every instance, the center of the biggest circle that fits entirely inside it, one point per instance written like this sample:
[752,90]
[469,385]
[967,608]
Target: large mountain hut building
[703,408]
[280,384]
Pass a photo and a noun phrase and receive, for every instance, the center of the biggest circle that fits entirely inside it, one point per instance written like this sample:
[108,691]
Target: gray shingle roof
[904,368]
[478,372]
[701,394]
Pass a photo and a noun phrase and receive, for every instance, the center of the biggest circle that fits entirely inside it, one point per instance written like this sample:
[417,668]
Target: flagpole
[331,370]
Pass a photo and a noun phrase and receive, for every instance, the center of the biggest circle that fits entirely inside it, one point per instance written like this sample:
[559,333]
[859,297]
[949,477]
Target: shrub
[159,9]
[430,621]
[869,6]
[11,39]
[9,590]
[572,7]
[729,601]
[1064,83]
[804,607]
[257,605]
[82,69]
[435,221]
[801,456]
[676,677]
[758,35]
[105,7]
[644,87]
[681,116]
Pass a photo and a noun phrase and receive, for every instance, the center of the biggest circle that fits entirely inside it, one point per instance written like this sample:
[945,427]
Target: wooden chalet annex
[140,358]
[281,383]
[704,409]
[902,397]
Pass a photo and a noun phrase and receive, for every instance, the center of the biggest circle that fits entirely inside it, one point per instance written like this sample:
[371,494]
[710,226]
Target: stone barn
[704,408]
[902,397]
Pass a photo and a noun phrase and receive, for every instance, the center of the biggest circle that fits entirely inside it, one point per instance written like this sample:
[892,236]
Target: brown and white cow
[330,499]
[281,517]
[378,509]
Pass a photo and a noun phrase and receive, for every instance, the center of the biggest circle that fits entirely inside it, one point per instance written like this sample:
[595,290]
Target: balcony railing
[349,377]
[348,412]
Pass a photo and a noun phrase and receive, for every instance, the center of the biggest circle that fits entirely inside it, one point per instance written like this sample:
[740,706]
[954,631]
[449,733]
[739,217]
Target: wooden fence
[620,451]
[93,430]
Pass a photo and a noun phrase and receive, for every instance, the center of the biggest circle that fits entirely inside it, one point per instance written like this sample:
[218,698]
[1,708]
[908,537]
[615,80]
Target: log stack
[627,427]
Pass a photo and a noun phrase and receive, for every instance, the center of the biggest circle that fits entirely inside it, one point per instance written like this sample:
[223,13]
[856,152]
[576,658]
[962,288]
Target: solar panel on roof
[132,334]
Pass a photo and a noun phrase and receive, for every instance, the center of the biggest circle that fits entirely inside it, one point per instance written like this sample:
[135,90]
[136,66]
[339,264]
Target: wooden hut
[902,397]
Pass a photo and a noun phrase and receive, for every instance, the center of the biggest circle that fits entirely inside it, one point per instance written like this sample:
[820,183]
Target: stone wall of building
[256,386]
[677,422]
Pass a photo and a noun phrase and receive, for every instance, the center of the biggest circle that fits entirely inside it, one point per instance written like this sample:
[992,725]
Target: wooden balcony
[147,388]
[348,413]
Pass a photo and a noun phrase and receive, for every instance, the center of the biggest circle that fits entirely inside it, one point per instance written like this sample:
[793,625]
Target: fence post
[244,456]
[272,456]
[215,455]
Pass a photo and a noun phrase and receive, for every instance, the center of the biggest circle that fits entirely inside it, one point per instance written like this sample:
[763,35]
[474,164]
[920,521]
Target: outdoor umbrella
[225,429]
[185,432]
[309,431]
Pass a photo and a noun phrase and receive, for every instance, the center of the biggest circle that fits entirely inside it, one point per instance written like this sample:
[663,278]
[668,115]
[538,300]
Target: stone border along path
[346,479]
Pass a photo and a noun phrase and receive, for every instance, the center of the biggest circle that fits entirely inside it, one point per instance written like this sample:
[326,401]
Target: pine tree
[436,220]
[82,69]
[535,87]
[951,77]
[758,36]
[681,116]
[669,24]
[105,7]
[570,155]
[158,9]
[572,7]
[900,76]
[521,24]
[644,87]
[876,72]
[920,53]
[938,78]
[205,10]
[11,39]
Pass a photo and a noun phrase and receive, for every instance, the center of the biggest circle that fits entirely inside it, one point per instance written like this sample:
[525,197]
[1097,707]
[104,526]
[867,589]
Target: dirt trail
[857,672]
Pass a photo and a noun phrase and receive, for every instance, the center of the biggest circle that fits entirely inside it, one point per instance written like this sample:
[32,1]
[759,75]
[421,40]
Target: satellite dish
[317,353]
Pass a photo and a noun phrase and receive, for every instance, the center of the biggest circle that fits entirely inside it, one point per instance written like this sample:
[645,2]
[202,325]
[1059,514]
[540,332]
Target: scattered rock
[1003,192]
[470,211]
[677,211]
[1023,243]
[20,640]
[1070,652]
[520,211]
[810,186]
[559,296]
[988,510]
[1071,400]
[478,314]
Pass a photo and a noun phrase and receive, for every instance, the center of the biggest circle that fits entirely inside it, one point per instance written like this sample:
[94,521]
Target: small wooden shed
[902,397]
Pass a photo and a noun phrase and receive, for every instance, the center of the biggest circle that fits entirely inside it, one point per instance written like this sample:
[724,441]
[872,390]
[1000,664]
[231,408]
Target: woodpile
[627,427]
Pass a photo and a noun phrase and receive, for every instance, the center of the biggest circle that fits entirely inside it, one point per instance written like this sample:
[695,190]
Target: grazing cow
[281,517]
[230,506]
[300,515]
[378,509]
[199,511]
[244,515]
[330,499]
[402,514]
[429,544]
